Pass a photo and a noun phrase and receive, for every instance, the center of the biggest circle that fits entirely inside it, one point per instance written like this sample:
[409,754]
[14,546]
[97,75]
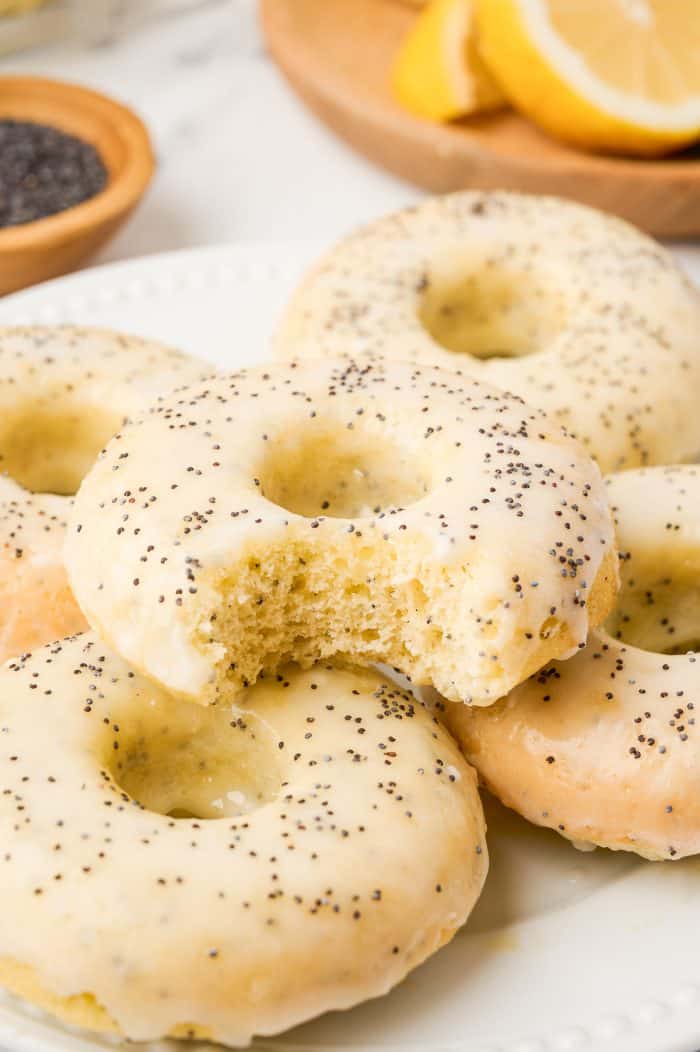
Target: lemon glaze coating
[171,868]
[363,512]
[64,391]
[574,310]
[604,748]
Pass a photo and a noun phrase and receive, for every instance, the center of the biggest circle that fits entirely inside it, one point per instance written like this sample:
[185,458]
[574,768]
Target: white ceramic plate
[566,952]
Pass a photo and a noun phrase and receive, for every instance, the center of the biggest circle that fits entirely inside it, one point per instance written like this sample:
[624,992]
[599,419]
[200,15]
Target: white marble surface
[238,156]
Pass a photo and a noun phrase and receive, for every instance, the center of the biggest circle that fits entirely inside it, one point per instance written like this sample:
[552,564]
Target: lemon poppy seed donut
[174,869]
[574,310]
[605,748]
[64,391]
[363,512]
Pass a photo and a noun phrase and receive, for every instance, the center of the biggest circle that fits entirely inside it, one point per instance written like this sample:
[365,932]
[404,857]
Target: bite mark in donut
[360,511]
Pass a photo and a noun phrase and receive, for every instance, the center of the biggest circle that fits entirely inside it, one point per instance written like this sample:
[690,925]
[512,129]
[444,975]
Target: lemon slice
[438,73]
[616,75]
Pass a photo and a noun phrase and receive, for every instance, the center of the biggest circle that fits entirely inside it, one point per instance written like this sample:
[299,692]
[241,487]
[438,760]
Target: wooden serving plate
[337,54]
[50,247]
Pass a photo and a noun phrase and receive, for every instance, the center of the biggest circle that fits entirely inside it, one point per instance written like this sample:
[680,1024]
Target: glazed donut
[574,310]
[604,748]
[363,512]
[64,391]
[173,869]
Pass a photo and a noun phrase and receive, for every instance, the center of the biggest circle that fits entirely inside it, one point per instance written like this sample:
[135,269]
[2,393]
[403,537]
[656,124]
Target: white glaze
[357,857]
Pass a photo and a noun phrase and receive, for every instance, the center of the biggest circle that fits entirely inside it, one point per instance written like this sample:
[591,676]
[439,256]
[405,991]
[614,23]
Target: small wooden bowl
[50,247]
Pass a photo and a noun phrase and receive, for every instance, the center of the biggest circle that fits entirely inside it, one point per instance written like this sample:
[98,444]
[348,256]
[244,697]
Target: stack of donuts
[218,817]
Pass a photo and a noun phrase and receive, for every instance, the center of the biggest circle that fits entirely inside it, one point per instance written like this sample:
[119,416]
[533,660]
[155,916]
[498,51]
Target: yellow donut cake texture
[64,391]
[372,511]
[576,311]
[174,869]
[605,748]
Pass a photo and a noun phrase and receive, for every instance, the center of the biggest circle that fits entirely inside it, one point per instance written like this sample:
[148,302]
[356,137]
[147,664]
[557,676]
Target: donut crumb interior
[299,603]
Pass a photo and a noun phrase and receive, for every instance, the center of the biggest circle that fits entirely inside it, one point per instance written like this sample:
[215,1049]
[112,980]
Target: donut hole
[186,761]
[50,450]
[331,470]
[492,312]
[658,608]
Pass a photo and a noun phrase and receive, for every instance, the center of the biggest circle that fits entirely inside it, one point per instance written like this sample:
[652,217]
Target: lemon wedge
[438,73]
[611,75]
